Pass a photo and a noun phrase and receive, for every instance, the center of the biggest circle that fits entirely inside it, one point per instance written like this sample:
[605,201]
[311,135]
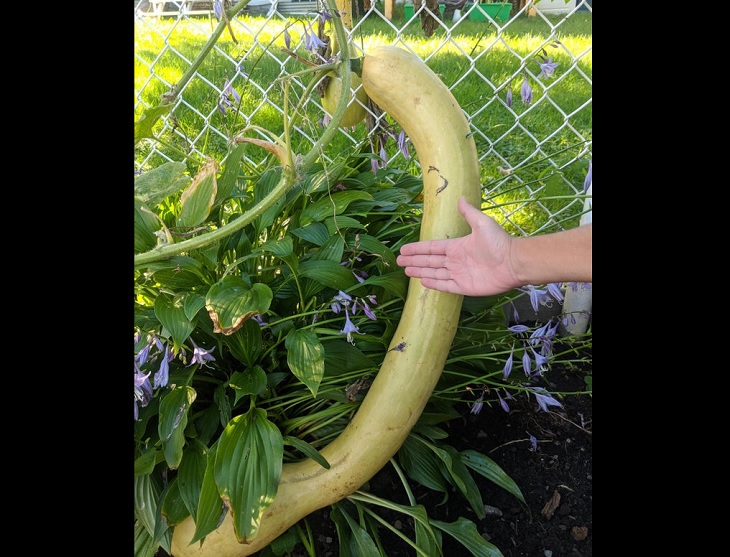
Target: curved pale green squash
[404,87]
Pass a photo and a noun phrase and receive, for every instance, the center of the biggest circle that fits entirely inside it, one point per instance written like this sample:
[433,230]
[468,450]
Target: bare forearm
[559,257]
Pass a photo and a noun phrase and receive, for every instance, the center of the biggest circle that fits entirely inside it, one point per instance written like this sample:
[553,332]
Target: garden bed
[548,524]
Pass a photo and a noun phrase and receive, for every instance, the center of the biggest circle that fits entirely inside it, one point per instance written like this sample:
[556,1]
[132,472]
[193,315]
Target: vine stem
[289,176]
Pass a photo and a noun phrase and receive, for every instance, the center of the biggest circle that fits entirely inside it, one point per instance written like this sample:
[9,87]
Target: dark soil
[556,480]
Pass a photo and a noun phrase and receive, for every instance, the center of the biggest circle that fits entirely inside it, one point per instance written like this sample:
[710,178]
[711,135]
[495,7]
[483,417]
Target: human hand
[474,265]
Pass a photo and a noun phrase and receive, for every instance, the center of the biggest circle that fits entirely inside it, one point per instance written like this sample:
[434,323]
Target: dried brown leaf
[549,509]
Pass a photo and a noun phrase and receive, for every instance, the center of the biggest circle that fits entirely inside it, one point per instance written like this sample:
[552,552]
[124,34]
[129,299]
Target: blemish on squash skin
[445,182]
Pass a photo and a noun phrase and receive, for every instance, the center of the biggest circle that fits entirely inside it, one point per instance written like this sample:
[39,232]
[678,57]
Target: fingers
[441,285]
[427,247]
[435,279]
[418,260]
[428,271]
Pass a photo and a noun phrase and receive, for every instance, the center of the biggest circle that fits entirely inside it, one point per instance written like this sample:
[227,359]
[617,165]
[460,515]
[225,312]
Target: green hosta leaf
[179,272]
[440,413]
[146,414]
[428,540]
[248,469]
[206,424]
[146,494]
[429,431]
[174,409]
[422,465]
[282,546]
[190,475]
[336,225]
[145,226]
[198,198]
[449,460]
[192,304]
[252,381]
[171,313]
[388,199]
[147,509]
[342,357]
[330,250]
[143,126]
[245,344]
[366,180]
[159,183]
[263,187]
[478,304]
[315,233]
[465,482]
[231,169]
[416,511]
[485,466]
[177,264]
[173,506]
[144,545]
[354,539]
[280,247]
[163,534]
[211,508]
[307,450]
[283,248]
[305,356]
[230,302]
[328,273]
[223,403]
[465,532]
[330,206]
[319,180]
[396,283]
[145,463]
[371,244]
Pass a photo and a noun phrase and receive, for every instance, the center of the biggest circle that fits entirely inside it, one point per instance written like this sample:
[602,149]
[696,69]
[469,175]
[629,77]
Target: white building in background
[554,7]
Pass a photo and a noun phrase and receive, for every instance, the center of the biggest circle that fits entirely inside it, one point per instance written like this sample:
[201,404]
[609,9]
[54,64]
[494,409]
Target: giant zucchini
[415,97]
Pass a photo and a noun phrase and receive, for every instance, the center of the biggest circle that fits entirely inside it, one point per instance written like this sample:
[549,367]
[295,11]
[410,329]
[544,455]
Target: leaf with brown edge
[231,301]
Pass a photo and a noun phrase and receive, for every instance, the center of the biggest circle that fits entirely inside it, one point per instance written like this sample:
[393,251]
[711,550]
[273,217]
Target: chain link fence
[561,155]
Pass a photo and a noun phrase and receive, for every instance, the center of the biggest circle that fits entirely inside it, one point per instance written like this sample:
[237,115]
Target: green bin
[408,10]
[498,12]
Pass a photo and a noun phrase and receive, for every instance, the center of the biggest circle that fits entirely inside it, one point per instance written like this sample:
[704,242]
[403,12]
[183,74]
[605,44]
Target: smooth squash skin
[355,111]
[404,87]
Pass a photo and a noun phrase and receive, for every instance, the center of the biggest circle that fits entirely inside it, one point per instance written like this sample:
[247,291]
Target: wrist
[515,265]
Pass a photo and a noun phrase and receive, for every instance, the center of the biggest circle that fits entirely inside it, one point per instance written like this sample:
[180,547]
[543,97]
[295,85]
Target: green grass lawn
[473,58]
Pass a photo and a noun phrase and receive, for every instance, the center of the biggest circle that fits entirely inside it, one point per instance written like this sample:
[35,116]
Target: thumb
[472,215]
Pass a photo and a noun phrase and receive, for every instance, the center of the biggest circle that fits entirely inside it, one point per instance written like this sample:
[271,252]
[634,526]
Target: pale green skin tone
[433,120]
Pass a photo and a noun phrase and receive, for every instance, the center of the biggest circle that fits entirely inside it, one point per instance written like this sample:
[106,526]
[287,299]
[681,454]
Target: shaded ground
[556,480]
